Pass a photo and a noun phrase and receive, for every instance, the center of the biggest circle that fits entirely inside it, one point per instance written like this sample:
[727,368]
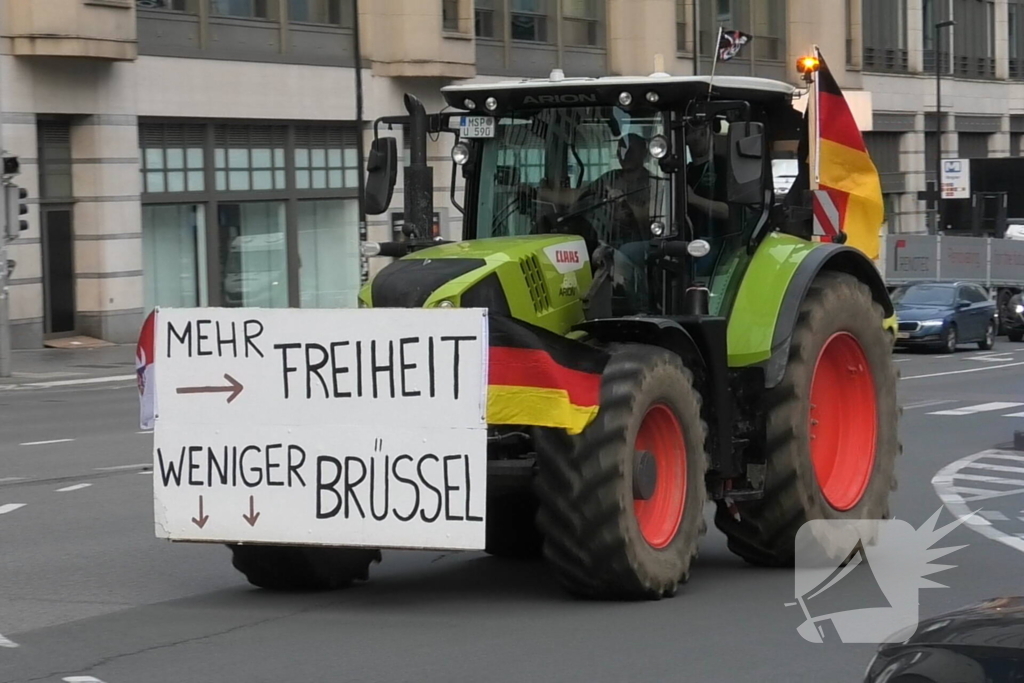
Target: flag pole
[714,64]
[814,149]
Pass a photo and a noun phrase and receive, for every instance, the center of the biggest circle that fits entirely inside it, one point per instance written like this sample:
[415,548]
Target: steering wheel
[622,215]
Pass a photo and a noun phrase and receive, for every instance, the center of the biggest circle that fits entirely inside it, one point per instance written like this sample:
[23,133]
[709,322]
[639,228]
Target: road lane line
[7,479]
[980,408]
[963,372]
[123,467]
[78,382]
[73,487]
[10,507]
[45,443]
[928,404]
[996,468]
[1014,415]
[5,642]
[82,679]
[957,504]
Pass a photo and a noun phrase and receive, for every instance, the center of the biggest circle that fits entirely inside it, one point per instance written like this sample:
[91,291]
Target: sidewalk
[70,366]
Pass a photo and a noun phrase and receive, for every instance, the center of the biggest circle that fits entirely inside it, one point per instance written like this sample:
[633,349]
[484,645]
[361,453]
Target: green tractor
[747,364]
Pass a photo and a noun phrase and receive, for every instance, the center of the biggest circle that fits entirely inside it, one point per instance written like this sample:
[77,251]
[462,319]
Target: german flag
[539,378]
[848,196]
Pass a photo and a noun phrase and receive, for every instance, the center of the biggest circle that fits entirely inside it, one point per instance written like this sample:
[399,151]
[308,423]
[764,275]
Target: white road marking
[45,443]
[928,404]
[952,496]
[996,468]
[900,360]
[150,431]
[993,358]
[980,408]
[1014,415]
[73,487]
[7,479]
[6,642]
[77,382]
[122,467]
[962,372]
[10,507]
[81,679]
[994,516]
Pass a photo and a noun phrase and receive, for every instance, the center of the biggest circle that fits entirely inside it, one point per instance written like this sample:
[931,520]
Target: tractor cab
[667,180]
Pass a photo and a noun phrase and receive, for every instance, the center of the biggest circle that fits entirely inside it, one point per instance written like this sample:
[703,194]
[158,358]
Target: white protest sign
[350,427]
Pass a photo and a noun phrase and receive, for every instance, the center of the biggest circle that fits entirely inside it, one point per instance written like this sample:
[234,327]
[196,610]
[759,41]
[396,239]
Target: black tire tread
[302,568]
[586,540]
[764,534]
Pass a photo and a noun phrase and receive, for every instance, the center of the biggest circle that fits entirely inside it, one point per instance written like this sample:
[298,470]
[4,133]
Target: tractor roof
[559,91]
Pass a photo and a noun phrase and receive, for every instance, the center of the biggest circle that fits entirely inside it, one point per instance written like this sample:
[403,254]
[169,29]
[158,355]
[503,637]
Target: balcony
[889,60]
[96,29]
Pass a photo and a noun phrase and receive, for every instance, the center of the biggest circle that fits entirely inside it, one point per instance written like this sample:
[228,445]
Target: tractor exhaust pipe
[419,177]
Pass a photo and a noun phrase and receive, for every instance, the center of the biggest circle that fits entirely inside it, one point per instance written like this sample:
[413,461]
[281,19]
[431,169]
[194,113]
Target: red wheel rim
[659,517]
[843,421]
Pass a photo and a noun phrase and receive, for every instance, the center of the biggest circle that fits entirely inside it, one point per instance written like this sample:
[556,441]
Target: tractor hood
[538,279]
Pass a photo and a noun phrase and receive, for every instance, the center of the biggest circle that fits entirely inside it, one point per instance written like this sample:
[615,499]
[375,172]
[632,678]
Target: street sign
[345,427]
[956,179]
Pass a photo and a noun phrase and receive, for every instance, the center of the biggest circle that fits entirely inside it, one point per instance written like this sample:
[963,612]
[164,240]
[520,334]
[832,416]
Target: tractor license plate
[903,335]
[476,127]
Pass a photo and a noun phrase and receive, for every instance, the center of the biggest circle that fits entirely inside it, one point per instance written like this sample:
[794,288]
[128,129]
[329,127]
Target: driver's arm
[715,209]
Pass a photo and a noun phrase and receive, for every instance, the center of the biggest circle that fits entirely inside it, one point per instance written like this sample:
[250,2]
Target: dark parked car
[941,315]
[981,643]
[1013,319]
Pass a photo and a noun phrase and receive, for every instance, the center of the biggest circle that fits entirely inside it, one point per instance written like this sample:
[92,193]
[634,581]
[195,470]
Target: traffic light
[15,202]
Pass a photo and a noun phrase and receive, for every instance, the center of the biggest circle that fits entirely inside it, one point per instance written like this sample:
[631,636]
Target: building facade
[206,152]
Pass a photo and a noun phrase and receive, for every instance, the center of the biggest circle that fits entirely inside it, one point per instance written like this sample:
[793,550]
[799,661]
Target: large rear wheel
[302,568]
[621,506]
[831,426]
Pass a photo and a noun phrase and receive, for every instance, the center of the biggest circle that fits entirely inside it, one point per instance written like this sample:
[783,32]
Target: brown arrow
[253,515]
[203,519]
[234,388]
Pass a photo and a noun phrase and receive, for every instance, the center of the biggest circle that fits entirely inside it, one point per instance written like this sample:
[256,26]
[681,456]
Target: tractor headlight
[658,147]
[460,153]
[491,104]
[469,104]
[625,99]
[369,249]
[658,229]
[446,303]
[1019,308]
[698,249]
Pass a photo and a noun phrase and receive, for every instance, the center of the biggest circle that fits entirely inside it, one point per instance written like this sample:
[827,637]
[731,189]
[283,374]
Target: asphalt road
[86,590]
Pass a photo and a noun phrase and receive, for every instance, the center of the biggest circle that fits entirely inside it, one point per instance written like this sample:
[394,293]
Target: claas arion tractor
[630,230]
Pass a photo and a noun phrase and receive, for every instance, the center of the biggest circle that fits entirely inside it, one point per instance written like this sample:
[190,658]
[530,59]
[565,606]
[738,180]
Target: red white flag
[145,371]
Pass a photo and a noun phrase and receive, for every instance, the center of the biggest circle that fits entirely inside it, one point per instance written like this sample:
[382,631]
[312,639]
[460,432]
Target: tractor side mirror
[381,175]
[746,163]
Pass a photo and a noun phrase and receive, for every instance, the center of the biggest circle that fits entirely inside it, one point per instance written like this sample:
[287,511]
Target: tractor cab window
[584,171]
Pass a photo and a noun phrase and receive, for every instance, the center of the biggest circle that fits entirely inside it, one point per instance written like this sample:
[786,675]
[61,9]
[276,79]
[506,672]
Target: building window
[581,24]
[254,254]
[974,38]
[973,145]
[1014,16]
[173,255]
[484,19]
[54,138]
[171,158]
[450,15]
[1015,144]
[884,26]
[326,12]
[769,27]
[682,30]
[328,236]
[884,148]
[189,6]
[529,20]
[325,158]
[249,158]
[250,9]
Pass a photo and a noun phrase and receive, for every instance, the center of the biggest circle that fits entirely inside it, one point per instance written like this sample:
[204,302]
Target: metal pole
[5,321]
[938,121]
[696,37]
[360,151]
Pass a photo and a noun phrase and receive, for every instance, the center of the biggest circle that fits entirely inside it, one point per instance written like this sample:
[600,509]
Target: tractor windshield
[584,171]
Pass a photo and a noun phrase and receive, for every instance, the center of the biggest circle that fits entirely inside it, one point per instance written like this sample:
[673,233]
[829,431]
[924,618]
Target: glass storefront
[173,246]
[281,205]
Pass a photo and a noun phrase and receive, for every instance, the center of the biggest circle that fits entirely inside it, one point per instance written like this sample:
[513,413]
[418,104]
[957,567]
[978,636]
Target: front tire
[302,568]
[832,426]
[621,506]
[952,340]
[989,341]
